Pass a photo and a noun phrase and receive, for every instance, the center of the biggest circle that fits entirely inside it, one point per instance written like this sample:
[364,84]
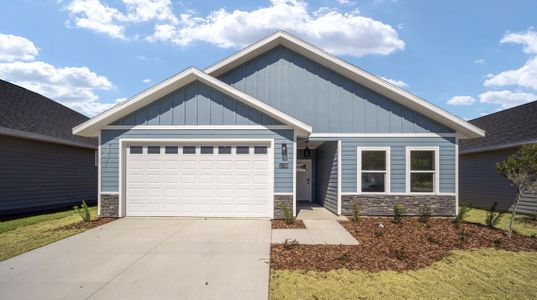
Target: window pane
[243,149]
[136,149]
[171,150]
[153,149]
[224,149]
[373,182]
[374,160]
[207,149]
[189,149]
[260,149]
[422,160]
[421,182]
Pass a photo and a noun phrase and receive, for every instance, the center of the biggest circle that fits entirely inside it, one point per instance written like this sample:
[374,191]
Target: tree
[521,170]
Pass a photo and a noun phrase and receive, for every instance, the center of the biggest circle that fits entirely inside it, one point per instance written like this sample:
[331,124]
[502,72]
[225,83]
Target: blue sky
[469,57]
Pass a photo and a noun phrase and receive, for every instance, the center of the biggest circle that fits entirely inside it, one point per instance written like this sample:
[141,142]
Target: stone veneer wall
[282,201]
[110,205]
[382,205]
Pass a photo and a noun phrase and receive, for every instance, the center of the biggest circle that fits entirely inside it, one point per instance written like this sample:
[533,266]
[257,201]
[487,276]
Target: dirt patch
[86,225]
[280,224]
[408,245]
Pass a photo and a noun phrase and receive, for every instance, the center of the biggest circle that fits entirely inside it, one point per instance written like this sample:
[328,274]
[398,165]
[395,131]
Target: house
[278,122]
[480,183]
[43,166]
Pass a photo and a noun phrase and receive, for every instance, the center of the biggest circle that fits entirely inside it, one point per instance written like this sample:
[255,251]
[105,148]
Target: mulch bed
[280,224]
[86,225]
[408,245]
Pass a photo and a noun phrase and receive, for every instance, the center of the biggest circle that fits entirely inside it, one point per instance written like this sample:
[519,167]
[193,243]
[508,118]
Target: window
[260,149]
[171,150]
[189,149]
[153,149]
[243,149]
[373,170]
[207,149]
[224,149]
[136,149]
[422,170]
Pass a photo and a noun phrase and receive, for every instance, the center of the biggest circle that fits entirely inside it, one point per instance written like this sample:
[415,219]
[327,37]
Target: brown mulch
[409,245]
[280,224]
[86,225]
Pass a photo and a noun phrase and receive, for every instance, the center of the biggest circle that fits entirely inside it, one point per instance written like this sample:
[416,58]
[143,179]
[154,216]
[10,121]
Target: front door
[303,180]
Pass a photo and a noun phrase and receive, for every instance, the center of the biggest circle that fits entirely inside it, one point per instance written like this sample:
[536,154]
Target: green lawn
[521,227]
[476,274]
[24,234]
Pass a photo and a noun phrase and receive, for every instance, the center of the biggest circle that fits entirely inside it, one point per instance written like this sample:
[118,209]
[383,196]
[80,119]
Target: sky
[471,58]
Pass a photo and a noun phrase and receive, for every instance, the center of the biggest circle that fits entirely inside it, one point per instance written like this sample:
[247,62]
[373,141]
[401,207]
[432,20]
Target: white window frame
[436,176]
[387,182]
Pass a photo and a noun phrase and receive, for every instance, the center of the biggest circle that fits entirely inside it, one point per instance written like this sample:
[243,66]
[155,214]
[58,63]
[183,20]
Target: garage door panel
[198,184]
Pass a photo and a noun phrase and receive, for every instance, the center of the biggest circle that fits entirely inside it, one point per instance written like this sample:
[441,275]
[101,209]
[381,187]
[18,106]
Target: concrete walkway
[139,258]
[322,227]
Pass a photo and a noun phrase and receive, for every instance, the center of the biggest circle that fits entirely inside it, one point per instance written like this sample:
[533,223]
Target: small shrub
[434,240]
[398,212]
[492,218]
[379,233]
[83,211]
[288,215]
[345,258]
[356,213]
[401,254]
[290,244]
[463,211]
[425,213]
[533,216]
[463,236]
[533,235]
[498,242]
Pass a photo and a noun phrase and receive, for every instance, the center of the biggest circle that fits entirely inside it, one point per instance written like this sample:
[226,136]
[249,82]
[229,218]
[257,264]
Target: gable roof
[281,38]
[505,129]
[27,114]
[92,126]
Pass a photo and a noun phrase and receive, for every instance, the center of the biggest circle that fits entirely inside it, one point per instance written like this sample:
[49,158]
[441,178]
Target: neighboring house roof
[92,126]
[27,114]
[465,129]
[505,129]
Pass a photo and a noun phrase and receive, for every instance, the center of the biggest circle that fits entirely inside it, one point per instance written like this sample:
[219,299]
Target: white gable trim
[350,71]
[92,126]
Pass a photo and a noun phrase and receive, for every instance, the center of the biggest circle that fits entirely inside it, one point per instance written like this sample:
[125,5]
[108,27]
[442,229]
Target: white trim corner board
[339,177]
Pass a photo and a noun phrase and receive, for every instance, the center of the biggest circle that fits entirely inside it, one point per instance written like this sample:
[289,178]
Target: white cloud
[480,61]
[344,2]
[72,86]
[461,100]
[526,76]
[528,39]
[506,98]
[14,47]
[146,80]
[141,57]
[339,33]
[398,83]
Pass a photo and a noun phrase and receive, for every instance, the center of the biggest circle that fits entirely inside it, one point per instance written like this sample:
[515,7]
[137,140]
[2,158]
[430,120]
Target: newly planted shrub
[356,213]
[288,215]
[463,236]
[425,213]
[463,210]
[379,233]
[497,242]
[83,211]
[289,244]
[344,258]
[398,212]
[492,218]
[401,253]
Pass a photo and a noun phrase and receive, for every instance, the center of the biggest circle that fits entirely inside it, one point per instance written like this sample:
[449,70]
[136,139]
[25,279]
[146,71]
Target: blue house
[278,122]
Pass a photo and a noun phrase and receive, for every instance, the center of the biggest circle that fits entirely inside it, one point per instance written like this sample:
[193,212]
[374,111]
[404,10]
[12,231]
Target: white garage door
[215,180]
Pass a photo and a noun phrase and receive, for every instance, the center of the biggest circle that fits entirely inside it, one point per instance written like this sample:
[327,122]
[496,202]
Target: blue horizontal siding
[197,104]
[322,98]
[326,162]
[283,178]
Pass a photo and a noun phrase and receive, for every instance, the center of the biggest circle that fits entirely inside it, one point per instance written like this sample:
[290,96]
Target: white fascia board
[352,72]
[92,126]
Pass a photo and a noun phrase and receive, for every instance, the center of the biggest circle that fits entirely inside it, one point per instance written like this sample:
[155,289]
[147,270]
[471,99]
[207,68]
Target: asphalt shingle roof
[24,110]
[510,126]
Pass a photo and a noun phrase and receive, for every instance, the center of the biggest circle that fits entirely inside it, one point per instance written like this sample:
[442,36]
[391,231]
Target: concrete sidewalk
[142,258]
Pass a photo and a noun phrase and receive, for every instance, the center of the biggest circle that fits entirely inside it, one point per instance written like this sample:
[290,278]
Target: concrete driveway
[138,258]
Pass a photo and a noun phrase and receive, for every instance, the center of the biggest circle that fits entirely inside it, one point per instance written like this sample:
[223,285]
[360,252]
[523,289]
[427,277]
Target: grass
[480,274]
[520,227]
[25,234]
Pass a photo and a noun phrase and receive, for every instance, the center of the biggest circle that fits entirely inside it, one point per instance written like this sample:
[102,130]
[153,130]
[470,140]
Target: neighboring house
[43,166]
[480,183]
[230,141]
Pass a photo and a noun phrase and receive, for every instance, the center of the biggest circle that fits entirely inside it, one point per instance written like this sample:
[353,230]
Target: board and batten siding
[39,176]
[283,178]
[447,146]
[322,98]
[197,104]
[326,175]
